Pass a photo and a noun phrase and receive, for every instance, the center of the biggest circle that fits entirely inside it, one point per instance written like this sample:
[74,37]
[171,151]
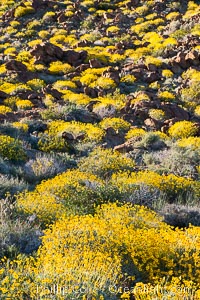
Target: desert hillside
[99,149]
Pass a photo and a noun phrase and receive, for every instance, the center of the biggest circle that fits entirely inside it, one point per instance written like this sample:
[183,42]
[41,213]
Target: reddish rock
[61,17]
[74,58]
[152,123]
[90,92]
[180,60]
[47,52]
[193,58]
[138,73]
[94,63]
[17,66]
[82,67]
[172,110]
[112,138]
[112,74]
[152,77]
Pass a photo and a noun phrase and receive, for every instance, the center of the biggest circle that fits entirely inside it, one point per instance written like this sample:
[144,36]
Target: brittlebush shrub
[118,124]
[183,129]
[11,148]
[105,162]
[70,192]
[173,186]
[90,255]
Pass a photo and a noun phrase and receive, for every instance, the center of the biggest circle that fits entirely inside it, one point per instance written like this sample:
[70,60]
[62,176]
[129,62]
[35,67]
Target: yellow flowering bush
[11,148]
[157,114]
[92,132]
[88,79]
[197,111]
[193,142]
[36,84]
[21,126]
[70,192]
[4,109]
[57,67]
[170,184]
[166,96]
[153,60]
[167,73]
[96,256]
[118,124]
[21,11]
[63,85]
[105,162]
[128,79]
[183,129]
[80,99]
[24,104]
[134,132]
[104,83]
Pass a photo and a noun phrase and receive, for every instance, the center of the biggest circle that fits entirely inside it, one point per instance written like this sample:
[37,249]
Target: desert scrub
[51,143]
[46,166]
[11,148]
[105,162]
[135,132]
[173,186]
[58,67]
[119,244]
[21,11]
[24,104]
[157,114]
[68,193]
[183,129]
[171,160]
[190,142]
[11,185]
[16,231]
[166,96]
[92,132]
[36,84]
[118,124]
[4,109]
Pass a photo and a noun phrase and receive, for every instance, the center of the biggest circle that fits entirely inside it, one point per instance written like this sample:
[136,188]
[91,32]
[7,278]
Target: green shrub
[11,148]
[105,162]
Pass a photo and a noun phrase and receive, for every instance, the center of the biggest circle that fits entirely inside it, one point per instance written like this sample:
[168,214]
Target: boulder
[16,66]
[47,52]
[74,58]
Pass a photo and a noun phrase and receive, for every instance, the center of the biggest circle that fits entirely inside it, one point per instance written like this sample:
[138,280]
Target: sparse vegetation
[99,150]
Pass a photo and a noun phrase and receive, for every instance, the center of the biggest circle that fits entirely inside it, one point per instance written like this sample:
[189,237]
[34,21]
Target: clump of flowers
[167,73]
[166,96]
[171,185]
[183,129]
[135,132]
[105,162]
[57,67]
[190,142]
[11,148]
[36,84]
[24,104]
[21,11]
[70,192]
[4,109]
[157,114]
[118,124]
